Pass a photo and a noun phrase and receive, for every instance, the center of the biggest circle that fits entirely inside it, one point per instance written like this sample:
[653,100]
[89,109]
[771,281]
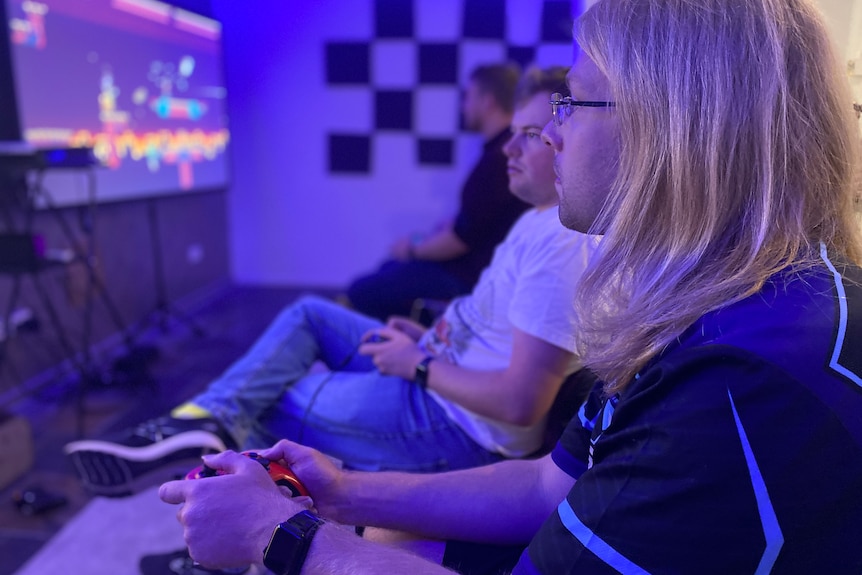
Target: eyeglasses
[562,107]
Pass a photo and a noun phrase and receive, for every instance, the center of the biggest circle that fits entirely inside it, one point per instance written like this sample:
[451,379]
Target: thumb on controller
[227,461]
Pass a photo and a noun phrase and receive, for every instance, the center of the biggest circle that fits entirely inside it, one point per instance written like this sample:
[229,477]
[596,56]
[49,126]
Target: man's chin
[573,221]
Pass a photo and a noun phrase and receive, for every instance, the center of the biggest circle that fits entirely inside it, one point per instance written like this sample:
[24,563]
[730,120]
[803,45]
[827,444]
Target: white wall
[844,19]
[292,222]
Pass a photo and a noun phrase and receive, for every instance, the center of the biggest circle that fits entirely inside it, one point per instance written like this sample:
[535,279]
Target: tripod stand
[164,310]
[35,196]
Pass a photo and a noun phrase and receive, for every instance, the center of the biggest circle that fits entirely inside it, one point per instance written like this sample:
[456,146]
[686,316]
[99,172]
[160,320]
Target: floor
[59,413]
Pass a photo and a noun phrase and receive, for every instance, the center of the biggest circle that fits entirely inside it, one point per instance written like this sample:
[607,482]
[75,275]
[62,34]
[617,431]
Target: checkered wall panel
[420,56]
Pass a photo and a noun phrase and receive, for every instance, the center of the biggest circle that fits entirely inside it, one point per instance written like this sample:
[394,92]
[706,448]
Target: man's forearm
[440,246]
[337,551]
[496,504]
[529,383]
[480,392]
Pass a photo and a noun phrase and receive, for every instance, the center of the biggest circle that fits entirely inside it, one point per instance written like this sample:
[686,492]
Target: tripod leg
[88,375]
[163,307]
[86,256]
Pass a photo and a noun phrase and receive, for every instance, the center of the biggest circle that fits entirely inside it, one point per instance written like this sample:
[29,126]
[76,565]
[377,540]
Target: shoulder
[802,322]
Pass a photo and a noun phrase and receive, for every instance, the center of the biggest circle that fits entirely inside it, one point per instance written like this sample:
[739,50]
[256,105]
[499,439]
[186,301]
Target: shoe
[154,452]
[179,563]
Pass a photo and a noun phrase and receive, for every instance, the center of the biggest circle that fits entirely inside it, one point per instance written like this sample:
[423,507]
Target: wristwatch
[421,376]
[289,543]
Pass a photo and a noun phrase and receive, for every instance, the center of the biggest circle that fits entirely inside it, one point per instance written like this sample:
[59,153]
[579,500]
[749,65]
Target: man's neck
[546,205]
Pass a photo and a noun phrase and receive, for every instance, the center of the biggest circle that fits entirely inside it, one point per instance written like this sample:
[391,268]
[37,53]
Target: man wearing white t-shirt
[473,389]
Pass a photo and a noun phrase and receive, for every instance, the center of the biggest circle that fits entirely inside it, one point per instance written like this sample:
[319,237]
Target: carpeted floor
[108,537]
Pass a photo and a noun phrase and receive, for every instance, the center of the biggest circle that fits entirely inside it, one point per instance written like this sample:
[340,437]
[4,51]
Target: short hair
[537,80]
[499,80]
[738,158]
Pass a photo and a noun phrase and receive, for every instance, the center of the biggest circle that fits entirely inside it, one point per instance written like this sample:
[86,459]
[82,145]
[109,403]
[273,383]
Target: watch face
[282,551]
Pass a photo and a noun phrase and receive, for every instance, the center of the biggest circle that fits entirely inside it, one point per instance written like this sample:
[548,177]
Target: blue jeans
[367,420]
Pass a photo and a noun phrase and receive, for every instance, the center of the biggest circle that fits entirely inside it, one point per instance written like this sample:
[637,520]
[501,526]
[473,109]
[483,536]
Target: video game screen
[139,81]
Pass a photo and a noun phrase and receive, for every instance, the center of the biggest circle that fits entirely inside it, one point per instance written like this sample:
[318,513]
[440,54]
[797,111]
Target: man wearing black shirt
[447,262]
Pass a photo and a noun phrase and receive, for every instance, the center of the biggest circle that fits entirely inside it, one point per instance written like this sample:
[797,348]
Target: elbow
[523,415]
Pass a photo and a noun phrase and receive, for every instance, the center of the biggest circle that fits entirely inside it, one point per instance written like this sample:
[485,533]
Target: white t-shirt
[529,284]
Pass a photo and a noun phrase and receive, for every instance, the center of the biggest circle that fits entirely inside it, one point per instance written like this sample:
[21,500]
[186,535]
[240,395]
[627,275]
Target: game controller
[282,476]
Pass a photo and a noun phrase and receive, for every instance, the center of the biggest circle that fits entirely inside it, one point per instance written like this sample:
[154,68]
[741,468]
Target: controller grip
[281,475]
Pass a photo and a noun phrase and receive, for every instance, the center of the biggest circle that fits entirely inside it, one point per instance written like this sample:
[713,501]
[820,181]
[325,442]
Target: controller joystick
[282,476]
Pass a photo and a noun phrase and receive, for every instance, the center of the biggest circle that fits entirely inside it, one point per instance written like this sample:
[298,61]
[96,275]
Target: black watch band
[285,554]
[421,376]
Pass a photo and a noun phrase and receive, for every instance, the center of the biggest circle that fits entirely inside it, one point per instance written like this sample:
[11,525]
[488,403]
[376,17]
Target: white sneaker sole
[186,440]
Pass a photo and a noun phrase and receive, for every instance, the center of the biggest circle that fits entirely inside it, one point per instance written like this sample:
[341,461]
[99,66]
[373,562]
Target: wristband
[421,377]
[288,547]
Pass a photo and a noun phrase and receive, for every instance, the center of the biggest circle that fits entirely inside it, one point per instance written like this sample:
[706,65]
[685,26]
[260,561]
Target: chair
[426,310]
[572,394]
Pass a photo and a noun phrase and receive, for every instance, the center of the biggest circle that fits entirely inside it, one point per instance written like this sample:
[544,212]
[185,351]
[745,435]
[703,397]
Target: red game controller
[281,475]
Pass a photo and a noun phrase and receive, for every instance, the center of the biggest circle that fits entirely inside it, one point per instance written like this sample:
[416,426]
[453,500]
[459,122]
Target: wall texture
[193,241]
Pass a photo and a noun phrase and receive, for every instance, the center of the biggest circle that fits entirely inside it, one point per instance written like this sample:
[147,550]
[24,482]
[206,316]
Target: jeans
[352,412]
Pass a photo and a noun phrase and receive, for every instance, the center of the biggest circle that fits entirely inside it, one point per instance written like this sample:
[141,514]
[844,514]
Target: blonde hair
[738,156]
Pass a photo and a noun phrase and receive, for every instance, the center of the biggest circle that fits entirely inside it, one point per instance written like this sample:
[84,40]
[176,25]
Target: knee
[306,306]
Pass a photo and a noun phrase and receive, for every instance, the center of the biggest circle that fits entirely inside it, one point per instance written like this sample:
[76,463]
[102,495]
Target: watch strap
[421,375]
[288,547]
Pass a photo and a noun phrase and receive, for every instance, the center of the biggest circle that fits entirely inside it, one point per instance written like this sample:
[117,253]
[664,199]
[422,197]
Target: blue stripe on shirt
[595,544]
[768,519]
[842,321]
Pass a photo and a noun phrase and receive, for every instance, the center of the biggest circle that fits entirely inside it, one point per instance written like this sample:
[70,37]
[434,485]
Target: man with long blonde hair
[713,144]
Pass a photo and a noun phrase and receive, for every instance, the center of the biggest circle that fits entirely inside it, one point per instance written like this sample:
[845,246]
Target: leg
[392,289]
[311,329]
[228,410]
[371,422]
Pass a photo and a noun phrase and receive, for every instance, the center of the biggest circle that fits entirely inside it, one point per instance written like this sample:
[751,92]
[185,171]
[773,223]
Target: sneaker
[154,452]
[179,563]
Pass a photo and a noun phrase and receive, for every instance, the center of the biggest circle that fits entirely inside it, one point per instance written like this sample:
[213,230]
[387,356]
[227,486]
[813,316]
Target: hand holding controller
[281,475]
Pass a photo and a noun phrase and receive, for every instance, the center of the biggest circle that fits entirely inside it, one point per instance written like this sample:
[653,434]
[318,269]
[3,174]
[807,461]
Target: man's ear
[487,100]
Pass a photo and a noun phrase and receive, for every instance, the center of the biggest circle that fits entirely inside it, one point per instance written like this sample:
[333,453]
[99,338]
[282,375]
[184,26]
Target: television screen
[138,81]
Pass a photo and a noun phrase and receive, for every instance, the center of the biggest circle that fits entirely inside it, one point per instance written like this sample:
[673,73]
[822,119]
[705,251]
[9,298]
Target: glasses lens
[556,103]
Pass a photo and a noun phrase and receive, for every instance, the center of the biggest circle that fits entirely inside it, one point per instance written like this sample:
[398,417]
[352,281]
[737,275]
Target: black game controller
[282,476]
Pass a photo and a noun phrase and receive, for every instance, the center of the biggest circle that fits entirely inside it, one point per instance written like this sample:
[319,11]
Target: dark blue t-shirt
[738,450]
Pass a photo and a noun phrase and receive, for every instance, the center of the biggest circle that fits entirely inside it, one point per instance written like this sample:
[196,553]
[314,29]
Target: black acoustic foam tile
[393,18]
[349,154]
[557,21]
[435,151]
[438,63]
[393,110]
[347,62]
[484,18]
[523,55]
